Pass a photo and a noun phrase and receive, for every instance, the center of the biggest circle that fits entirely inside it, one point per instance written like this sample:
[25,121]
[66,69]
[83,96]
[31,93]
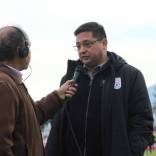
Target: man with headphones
[20,116]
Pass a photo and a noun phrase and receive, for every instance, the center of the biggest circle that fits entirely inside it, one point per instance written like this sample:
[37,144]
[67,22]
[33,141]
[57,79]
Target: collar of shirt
[16,72]
[92,72]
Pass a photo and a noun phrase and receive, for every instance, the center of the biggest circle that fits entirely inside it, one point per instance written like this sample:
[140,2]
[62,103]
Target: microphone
[77,72]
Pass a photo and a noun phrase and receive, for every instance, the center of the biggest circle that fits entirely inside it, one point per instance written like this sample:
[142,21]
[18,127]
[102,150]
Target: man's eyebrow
[83,41]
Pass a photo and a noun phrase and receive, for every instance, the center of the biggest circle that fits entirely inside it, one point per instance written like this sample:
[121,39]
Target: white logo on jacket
[117,84]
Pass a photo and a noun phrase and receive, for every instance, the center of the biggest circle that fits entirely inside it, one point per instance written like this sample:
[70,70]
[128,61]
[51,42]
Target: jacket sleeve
[140,125]
[8,109]
[47,107]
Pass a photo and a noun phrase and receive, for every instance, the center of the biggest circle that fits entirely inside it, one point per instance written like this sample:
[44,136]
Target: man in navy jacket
[110,115]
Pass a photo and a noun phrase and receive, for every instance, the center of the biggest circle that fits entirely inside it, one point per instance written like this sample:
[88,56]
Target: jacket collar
[12,72]
[115,62]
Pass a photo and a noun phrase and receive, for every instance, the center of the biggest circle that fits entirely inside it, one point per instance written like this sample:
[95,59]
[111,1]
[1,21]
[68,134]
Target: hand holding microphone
[68,89]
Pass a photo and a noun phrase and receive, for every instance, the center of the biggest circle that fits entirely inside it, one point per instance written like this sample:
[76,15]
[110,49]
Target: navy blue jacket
[118,96]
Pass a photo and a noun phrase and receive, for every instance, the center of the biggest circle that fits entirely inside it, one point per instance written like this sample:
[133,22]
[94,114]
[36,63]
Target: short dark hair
[94,27]
[9,42]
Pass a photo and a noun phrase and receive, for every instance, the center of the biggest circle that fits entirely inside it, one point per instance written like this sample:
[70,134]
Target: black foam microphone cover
[77,72]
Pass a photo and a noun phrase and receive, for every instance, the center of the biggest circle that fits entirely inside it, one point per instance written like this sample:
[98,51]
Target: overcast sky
[130,26]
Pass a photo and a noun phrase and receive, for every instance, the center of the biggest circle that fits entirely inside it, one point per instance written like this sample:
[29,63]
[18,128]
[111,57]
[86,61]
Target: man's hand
[67,90]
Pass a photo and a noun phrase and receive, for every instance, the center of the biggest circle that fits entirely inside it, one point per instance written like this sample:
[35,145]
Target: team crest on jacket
[117,84]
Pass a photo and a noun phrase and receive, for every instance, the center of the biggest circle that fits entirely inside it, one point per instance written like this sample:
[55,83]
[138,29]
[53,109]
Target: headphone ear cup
[23,52]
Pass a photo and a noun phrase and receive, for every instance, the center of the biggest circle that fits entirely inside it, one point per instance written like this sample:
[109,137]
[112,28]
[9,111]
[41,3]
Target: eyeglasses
[85,44]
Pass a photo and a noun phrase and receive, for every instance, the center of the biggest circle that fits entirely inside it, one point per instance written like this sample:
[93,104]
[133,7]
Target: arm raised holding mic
[50,104]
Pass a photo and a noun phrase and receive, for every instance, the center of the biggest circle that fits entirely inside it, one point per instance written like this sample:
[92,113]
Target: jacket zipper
[86,115]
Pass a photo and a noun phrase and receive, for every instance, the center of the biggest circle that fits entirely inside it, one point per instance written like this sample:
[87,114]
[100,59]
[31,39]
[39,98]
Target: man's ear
[105,42]
[17,51]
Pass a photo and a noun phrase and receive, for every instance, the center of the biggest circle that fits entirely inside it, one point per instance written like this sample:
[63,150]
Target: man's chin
[24,67]
[86,62]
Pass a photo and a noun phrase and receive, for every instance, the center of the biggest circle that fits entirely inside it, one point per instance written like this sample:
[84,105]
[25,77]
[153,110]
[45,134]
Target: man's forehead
[84,36]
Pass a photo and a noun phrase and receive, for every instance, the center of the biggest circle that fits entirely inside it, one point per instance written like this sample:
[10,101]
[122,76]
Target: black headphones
[5,51]
[23,50]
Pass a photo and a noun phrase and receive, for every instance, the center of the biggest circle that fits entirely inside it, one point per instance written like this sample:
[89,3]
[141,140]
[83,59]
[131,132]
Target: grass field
[151,154]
